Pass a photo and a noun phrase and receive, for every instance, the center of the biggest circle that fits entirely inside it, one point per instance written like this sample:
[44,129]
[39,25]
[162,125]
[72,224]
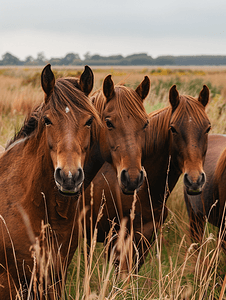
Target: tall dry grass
[175,268]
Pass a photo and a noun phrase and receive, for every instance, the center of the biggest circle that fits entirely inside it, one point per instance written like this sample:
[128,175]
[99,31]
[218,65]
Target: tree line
[130,60]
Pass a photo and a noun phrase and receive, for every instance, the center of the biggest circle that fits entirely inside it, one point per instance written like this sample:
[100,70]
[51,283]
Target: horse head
[122,140]
[189,127]
[67,115]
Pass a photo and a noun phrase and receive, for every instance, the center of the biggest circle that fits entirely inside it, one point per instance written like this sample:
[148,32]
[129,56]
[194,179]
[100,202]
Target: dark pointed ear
[86,81]
[204,95]
[143,88]
[108,88]
[174,97]
[47,81]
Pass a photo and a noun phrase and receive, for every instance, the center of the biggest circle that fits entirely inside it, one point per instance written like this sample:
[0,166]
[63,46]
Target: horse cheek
[53,156]
[104,147]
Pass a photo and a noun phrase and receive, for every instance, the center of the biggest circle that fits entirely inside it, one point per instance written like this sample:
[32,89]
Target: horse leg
[144,232]
[222,230]
[196,222]
[148,232]
[143,241]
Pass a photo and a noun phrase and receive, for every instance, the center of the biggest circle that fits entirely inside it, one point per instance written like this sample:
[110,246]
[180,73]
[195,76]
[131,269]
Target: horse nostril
[199,182]
[202,179]
[187,180]
[140,178]
[125,177]
[79,176]
[58,176]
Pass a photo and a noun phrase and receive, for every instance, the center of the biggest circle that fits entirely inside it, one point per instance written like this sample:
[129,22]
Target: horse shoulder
[220,186]
[216,147]
[215,159]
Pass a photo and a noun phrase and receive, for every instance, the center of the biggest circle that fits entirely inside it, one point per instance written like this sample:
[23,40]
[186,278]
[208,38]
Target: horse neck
[93,164]
[39,168]
[158,137]
[158,163]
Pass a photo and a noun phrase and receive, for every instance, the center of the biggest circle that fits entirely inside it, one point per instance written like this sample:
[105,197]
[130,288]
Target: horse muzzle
[194,187]
[128,186]
[69,184]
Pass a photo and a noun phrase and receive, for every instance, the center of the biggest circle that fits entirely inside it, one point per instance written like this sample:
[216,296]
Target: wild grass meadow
[175,268]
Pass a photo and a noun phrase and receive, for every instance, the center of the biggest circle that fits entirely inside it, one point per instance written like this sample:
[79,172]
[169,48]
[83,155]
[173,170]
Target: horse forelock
[128,101]
[67,94]
[189,107]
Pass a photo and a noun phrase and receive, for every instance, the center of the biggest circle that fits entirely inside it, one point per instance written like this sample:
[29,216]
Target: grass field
[175,268]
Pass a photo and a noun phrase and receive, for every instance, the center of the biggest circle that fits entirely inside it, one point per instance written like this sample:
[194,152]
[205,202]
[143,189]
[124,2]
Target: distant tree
[138,59]
[40,60]
[138,55]
[87,55]
[200,60]
[41,56]
[71,59]
[164,60]
[115,57]
[97,57]
[9,59]
[115,60]
[29,60]
[55,61]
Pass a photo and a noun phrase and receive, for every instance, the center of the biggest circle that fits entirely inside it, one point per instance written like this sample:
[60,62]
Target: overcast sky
[160,27]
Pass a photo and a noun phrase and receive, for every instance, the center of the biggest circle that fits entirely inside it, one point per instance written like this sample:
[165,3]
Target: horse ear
[204,95]
[108,88]
[143,88]
[47,81]
[174,98]
[86,81]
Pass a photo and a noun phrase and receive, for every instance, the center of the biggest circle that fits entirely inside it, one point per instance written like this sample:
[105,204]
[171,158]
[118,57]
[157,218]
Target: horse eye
[173,129]
[47,121]
[208,129]
[109,124]
[89,122]
[146,125]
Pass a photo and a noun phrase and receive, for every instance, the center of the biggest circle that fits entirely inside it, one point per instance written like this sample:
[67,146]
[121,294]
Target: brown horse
[176,140]
[2,150]
[37,172]
[210,204]
[119,144]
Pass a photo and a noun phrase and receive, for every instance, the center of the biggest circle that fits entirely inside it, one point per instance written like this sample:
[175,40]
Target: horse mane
[160,120]
[64,91]
[29,126]
[158,129]
[126,100]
